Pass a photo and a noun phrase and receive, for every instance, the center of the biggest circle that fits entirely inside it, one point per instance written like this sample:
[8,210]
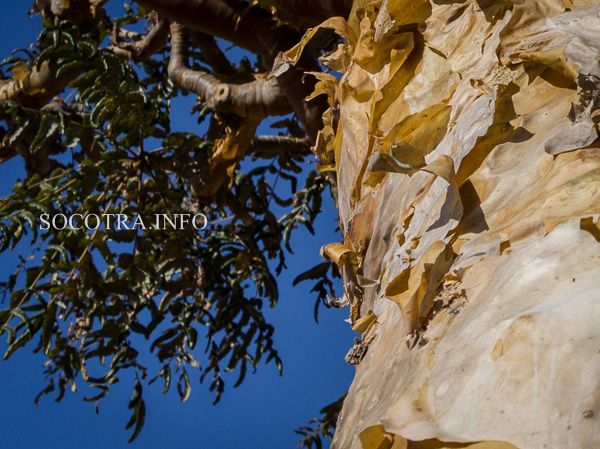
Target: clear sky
[261,414]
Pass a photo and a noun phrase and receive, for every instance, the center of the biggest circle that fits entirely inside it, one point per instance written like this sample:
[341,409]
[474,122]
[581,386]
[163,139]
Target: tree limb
[85,13]
[212,53]
[272,145]
[41,84]
[314,11]
[38,87]
[296,88]
[149,44]
[256,99]
[251,28]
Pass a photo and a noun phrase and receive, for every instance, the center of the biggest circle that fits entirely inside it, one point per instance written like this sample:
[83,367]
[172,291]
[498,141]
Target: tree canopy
[87,108]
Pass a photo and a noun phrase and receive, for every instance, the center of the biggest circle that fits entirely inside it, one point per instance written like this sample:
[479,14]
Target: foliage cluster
[89,300]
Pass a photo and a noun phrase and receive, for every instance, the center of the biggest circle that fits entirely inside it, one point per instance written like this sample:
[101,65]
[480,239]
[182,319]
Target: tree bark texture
[464,139]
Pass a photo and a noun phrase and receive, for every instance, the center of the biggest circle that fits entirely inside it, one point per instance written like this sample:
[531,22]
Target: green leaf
[48,126]
[68,67]
[315,272]
[183,386]
[18,343]
[18,133]
[138,416]
[167,377]
[48,326]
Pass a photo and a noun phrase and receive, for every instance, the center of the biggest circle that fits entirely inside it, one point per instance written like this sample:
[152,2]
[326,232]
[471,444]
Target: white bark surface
[468,168]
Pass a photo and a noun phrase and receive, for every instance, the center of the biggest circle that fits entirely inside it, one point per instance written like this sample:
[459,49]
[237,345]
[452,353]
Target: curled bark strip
[256,99]
[149,44]
[229,150]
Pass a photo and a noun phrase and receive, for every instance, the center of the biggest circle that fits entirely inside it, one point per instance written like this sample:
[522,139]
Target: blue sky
[261,414]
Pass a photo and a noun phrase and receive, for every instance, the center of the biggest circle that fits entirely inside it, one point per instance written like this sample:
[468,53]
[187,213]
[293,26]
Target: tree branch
[38,87]
[256,99]
[251,28]
[296,88]
[212,53]
[149,44]
[268,146]
[315,11]
[85,13]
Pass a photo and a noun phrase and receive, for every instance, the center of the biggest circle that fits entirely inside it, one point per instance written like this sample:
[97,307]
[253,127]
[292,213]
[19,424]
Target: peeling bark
[468,181]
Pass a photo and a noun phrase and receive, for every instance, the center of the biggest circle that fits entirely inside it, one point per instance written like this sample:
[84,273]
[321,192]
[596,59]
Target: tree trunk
[468,183]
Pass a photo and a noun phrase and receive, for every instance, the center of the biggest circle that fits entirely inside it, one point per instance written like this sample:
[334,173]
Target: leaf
[183,386]
[48,389]
[167,378]
[242,375]
[101,394]
[48,126]
[18,343]
[167,335]
[48,325]
[138,406]
[14,137]
[5,316]
[315,272]
[68,67]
